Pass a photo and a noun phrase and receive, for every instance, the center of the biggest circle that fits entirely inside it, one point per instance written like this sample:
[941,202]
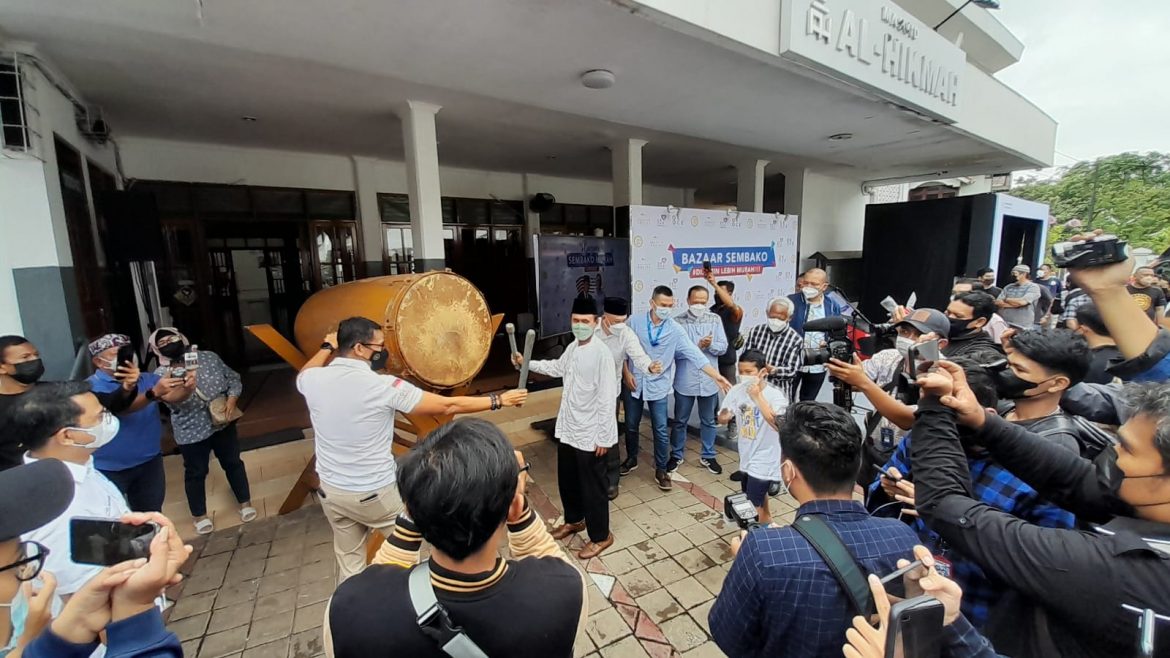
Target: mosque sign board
[876,45]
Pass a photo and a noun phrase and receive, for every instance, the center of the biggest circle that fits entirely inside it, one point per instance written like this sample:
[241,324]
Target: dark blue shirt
[780,599]
[137,441]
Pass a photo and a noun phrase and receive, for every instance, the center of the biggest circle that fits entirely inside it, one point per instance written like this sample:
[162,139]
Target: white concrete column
[749,189]
[365,185]
[831,209]
[422,183]
[627,172]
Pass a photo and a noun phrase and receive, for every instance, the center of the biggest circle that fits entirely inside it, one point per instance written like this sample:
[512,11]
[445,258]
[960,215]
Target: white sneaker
[247,514]
[204,527]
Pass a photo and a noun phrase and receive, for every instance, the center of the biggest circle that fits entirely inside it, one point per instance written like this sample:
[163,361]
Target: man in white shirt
[623,344]
[65,421]
[757,409]
[585,428]
[352,409]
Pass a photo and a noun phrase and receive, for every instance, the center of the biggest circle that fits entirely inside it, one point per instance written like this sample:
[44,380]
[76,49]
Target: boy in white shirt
[757,409]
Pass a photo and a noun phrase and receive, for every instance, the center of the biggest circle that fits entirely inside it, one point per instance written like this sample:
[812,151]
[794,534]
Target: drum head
[444,329]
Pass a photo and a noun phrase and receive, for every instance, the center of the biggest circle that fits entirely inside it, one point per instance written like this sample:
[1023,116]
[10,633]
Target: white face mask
[663,312]
[102,433]
[810,292]
[904,344]
[746,380]
[617,328]
[696,309]
[777,325]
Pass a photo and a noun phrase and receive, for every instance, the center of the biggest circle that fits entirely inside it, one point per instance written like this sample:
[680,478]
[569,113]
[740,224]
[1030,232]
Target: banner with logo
[756,251]
[570,266]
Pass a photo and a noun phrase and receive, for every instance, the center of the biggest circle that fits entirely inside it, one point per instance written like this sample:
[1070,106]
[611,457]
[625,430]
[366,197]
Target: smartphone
[706,267]
[191,358]
[894,582]
[126,355]
[106,542]
[886,472]
[178,372]
[915,628]
[923,356]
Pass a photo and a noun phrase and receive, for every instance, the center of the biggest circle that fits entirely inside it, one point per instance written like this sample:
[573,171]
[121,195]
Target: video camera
[837,343]
[1101,250]
[738,508]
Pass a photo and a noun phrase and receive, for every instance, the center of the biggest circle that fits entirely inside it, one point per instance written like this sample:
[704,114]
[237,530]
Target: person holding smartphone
[133,460]
[757,408]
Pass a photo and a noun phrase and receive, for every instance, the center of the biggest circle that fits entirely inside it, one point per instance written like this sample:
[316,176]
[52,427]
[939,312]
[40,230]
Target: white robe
[585,419]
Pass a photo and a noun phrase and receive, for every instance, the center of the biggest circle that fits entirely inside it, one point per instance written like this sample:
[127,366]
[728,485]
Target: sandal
[204,527]
[247,514]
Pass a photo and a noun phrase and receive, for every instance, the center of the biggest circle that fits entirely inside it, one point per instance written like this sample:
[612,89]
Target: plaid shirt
[784,351]
[1075,299]
[780,599]
[996,486]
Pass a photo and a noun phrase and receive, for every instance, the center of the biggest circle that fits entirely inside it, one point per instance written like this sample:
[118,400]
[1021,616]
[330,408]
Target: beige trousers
[352,517]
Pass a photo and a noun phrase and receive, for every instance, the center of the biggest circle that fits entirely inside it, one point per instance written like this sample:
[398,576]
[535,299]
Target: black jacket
[978,347]
[1068,585]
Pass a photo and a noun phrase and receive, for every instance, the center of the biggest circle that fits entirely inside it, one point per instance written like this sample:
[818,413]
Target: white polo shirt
[352,409]
[93,496]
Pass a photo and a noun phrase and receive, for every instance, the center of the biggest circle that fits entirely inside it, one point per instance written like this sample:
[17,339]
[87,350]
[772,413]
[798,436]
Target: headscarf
[152,342]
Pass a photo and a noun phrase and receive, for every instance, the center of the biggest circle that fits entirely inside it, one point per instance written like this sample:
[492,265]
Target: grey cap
[927,320]
[1022,268]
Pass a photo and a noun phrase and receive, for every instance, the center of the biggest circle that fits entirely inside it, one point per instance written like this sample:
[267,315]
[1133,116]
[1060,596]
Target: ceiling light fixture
[598,79]
[840,137]
[249,118]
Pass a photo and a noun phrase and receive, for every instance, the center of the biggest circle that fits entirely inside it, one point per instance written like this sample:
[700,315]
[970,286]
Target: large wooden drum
[438,328]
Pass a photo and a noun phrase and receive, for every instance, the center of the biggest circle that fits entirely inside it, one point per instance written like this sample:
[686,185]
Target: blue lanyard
[654,337]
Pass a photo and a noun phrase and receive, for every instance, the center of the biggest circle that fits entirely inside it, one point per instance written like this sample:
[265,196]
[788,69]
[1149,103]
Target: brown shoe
[592,549]
[663,479]
[566,529]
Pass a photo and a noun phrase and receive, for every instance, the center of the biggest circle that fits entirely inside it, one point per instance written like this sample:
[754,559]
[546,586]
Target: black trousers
[582,482]
[144,485]
[197,458]
[809,384]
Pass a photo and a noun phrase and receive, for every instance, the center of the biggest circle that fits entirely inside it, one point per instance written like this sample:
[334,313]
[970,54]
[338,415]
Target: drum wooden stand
[438,332]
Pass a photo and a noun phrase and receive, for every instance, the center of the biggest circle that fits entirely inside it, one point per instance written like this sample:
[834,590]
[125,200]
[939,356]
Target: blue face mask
[17,614]
[663,312]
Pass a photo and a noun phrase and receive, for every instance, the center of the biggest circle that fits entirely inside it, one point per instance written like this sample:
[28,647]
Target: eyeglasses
[376,347]
[527,468]
[32,560]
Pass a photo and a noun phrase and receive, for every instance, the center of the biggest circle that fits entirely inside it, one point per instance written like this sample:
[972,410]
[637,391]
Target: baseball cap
[926,320]
[1022,268]
[32,495]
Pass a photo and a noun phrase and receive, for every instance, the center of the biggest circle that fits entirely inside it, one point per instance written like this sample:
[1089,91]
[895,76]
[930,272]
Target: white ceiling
[327,76]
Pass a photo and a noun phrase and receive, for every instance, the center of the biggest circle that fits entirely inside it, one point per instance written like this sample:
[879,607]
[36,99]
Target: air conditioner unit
[93,126]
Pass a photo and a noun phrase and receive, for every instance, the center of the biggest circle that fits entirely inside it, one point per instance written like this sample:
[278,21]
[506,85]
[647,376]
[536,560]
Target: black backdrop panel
[133,231]
[920,246]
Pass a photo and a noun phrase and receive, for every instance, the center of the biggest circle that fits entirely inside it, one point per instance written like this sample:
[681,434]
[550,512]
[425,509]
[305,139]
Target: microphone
[827,325]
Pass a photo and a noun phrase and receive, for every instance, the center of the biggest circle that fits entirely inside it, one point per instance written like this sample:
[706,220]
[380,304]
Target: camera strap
[433,620]
[841,562]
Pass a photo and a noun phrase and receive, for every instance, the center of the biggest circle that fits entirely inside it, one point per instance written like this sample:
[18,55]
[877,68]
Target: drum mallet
[529,341]
[511,329]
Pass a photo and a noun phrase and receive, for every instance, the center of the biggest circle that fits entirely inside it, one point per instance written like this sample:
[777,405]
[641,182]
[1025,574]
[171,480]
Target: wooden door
[90,276]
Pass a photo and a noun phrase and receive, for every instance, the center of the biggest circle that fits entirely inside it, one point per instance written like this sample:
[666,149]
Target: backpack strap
[433,620]
[844,567]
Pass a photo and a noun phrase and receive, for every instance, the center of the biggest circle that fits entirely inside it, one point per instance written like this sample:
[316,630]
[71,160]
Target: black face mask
[1109,480]
[28,372]
[959,328]
[173,351]
[378,359]
[1010,386]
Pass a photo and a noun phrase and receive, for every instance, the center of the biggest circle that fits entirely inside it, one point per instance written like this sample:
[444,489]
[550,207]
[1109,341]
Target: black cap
[584,306]
[616,306]
[32,495]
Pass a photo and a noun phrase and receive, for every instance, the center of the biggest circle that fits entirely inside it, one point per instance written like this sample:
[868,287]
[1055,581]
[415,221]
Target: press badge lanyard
[655,338]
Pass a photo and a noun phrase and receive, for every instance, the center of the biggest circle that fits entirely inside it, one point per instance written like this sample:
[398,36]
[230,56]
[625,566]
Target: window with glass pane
[471,211]
[507,212]
[394,208]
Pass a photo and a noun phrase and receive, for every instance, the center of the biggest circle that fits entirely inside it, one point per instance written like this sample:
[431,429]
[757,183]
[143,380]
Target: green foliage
[1133,198]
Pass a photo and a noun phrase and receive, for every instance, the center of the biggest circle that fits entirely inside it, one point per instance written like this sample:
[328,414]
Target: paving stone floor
[259,591]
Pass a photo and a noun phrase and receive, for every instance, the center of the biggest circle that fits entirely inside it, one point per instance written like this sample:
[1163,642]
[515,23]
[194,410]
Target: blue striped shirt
[664,343]
[691,380]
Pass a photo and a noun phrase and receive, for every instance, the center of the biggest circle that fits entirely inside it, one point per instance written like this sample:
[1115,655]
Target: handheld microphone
[826,325]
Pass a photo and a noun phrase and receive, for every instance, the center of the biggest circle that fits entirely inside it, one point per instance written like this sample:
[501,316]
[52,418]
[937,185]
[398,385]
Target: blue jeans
[683,404]
[658,421]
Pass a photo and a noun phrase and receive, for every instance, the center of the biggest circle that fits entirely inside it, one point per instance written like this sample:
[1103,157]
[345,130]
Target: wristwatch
[150,395]
[327,347]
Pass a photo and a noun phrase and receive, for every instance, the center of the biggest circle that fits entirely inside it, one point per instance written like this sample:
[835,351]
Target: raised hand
[127,375]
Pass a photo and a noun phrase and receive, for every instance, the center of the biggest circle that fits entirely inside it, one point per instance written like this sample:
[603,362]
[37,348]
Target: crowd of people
[1026,470]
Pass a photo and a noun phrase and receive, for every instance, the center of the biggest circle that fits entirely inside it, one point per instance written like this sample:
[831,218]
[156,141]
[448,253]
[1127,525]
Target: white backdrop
[756,251]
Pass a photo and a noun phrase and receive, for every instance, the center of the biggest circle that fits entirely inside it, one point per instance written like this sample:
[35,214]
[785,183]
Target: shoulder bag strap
[840,561]
[432,617]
